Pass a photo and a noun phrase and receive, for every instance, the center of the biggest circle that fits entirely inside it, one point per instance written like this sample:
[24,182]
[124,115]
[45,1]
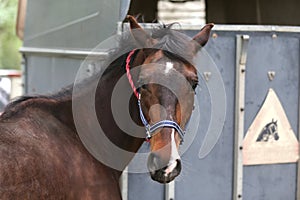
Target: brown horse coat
[43,158]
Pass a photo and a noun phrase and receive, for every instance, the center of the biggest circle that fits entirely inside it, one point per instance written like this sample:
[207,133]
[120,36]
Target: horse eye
[141,84]
[145,86]
[194,84]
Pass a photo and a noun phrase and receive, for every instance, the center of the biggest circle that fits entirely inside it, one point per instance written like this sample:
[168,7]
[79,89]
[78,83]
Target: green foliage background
[10,58]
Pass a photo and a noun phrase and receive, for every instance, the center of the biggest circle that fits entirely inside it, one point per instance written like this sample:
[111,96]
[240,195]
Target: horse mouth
[165,175]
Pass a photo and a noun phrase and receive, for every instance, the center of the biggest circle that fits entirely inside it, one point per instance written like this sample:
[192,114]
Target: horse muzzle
[161,171]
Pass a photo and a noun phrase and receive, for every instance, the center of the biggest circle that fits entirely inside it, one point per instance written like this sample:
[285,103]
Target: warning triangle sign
[270,138]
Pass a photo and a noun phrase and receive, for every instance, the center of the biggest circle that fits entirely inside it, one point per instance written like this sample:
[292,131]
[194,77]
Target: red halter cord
[128,59]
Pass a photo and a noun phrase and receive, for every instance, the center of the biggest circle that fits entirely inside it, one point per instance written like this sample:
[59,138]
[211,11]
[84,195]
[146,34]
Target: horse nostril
[178,167]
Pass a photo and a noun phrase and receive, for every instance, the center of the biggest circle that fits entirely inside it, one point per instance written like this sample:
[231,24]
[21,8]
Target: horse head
[167,81]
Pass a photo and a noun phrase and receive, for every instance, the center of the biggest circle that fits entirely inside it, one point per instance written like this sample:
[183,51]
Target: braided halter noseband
[150,129]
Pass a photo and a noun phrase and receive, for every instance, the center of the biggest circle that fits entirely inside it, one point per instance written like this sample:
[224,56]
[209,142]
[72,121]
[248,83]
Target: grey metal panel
[279,54]
[49,74]
[212,177]
[142,187]
[69,24]
[238,28]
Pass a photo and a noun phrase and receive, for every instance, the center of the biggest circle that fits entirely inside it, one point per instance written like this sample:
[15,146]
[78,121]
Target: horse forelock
[174,44]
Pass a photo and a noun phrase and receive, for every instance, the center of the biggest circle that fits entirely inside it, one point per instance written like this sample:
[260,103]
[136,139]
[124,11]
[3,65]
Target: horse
[42,154]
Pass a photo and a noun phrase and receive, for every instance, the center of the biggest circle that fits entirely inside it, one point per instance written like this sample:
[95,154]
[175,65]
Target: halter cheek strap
[150,129]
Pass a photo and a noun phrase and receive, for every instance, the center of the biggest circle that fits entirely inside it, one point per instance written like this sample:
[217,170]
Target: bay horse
[42,155]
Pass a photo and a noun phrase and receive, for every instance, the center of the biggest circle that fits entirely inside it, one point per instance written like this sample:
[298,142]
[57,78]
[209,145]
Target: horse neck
[64,113]
[101,94]
[103,103]
[103,110]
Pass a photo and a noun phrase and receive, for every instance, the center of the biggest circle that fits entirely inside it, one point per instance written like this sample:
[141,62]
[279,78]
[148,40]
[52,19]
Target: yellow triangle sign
[270,139]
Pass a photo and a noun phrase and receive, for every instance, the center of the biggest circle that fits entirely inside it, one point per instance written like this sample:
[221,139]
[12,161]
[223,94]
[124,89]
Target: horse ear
[141,37]
[202,37]
[133,22]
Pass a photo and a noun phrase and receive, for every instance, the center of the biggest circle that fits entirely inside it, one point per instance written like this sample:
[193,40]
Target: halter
[150,129]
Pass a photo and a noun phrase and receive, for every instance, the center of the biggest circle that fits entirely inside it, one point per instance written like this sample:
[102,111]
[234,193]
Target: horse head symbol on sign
[269,132]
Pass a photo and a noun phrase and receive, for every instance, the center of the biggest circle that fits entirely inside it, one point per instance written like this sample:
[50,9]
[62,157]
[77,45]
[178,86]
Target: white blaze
[169,66]
[174,155]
